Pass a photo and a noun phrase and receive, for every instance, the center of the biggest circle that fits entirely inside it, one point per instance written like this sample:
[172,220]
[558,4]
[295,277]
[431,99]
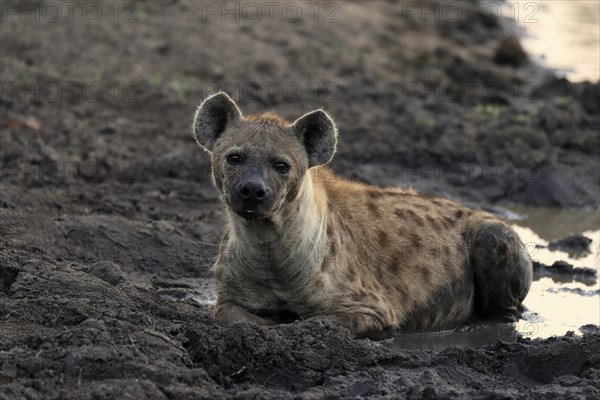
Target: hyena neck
[295,236]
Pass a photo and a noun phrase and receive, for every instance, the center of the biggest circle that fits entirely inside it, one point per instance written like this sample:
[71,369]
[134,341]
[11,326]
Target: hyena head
[259,162]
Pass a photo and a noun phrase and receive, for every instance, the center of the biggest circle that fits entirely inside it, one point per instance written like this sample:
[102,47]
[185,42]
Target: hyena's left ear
[217,113]
[317,131]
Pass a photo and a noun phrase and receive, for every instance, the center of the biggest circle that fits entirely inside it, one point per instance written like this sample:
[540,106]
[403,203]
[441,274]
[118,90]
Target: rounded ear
[214,116]
[317,131]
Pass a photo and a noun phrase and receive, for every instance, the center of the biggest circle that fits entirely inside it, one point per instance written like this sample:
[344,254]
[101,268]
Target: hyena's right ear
[214,116]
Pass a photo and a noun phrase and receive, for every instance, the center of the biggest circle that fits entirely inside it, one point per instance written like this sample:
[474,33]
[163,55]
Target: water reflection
[560,303]
[561,311]
[557,223]
[472,336]
[538,226]
[565,34]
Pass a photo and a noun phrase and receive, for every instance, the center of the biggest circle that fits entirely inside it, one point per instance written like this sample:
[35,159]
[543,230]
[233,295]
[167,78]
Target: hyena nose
[253,191]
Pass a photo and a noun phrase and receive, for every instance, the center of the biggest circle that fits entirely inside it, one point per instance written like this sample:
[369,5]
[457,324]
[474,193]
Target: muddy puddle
[560,303]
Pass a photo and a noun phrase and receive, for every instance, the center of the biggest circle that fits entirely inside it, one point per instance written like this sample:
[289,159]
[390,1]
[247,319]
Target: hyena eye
[234,159]
[281,167]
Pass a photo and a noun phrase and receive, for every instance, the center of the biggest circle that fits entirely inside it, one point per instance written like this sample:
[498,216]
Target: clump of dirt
[511,52]
[107,210]
[562,270]
[576,245]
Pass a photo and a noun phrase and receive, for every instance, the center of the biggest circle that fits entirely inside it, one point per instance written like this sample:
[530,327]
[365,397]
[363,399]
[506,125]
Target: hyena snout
[250,194]
[253,191]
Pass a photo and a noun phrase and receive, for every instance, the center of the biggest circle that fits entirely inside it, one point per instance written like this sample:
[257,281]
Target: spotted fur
[370,259]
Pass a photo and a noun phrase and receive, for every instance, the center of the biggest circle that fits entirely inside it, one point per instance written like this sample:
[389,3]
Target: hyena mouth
[250,214]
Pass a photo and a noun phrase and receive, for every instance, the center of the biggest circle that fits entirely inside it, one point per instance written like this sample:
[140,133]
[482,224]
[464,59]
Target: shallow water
[561,34]
[473,337]
[560,303]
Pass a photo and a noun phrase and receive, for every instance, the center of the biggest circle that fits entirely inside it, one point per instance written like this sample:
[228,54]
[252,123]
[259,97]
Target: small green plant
[141,14]
[523,119]
[490,110]
[427,60]
[427,122]
[155,79]
[518,142]
[181,86]
[563,100]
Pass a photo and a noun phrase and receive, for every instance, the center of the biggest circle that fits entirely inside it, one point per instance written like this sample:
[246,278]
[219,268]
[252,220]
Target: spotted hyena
[303,243]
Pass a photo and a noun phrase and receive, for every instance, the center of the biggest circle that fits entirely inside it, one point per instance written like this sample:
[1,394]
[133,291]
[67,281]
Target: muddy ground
[108,219]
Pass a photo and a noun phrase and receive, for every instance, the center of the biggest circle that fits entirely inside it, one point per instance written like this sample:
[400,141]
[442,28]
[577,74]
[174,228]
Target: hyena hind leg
[502,269]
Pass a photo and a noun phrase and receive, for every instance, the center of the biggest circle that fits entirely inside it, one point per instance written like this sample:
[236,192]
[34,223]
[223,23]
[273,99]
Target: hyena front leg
[228,313]
[360,325]
[502,269]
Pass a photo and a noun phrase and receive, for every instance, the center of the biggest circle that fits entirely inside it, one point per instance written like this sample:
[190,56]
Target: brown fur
[369,259]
